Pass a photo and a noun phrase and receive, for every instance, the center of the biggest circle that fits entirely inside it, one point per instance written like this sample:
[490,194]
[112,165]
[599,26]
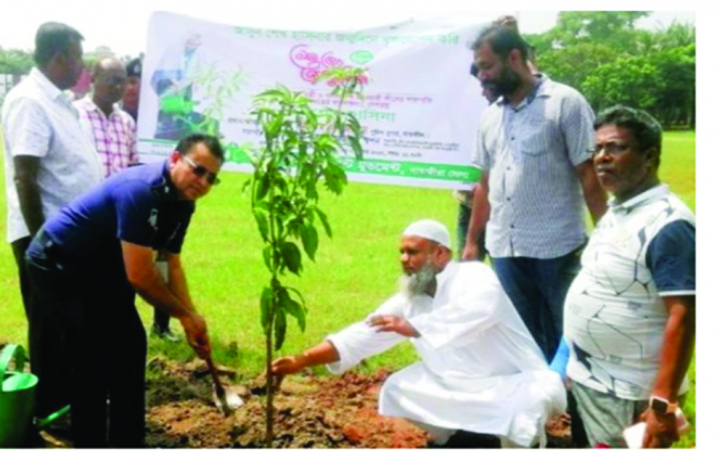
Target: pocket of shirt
[534,144]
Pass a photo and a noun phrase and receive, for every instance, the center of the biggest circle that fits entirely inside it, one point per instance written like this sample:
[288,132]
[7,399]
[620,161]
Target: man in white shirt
[48,162]
[480,371]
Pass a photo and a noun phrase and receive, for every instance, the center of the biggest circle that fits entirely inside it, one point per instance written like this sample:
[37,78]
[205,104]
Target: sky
[122,25]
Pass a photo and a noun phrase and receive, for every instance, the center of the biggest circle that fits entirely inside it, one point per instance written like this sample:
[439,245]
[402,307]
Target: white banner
[419,112]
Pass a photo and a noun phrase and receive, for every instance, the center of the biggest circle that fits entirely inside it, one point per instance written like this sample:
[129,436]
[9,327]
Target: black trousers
[105,343]
[47,360]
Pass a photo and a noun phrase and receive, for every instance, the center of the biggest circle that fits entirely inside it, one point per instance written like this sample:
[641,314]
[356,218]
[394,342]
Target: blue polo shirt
[138,205]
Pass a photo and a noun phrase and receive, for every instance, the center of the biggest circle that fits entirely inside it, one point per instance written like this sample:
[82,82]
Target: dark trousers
[464,219]
[161,320]
[537,288]
[47,360]
[105,342]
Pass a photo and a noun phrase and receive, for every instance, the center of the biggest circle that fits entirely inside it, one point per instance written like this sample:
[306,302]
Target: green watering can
[17,398]
[176,104]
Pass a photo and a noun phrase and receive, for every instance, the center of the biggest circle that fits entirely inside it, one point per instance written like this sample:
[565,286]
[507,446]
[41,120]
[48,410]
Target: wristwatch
[662,405]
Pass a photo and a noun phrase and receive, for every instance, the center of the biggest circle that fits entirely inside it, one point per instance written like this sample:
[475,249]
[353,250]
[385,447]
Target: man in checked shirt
[112,130]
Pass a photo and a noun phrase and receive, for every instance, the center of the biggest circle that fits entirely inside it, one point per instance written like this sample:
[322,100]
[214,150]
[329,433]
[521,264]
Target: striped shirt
[114,136]
[531,152]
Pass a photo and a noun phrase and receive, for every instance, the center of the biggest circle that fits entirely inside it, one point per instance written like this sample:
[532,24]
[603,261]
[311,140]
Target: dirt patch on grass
[329,412]
[312,412]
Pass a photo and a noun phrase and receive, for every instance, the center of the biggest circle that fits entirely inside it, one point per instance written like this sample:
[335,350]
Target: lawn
[355,271]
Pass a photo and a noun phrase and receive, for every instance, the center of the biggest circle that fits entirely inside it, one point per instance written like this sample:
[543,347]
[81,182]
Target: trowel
[225,401]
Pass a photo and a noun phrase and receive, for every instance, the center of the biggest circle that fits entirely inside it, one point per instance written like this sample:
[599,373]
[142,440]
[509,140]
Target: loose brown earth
[312,411]
[328,412]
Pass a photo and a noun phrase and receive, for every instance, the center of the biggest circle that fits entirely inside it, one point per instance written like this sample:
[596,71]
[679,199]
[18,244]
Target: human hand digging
[196,334]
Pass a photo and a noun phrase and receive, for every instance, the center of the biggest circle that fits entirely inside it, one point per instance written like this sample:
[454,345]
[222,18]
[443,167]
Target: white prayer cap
[431,230]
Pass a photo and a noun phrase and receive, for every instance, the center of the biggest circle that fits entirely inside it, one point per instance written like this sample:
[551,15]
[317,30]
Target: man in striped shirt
[537,174]
[112,130]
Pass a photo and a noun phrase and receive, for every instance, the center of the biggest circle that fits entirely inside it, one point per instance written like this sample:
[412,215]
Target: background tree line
[603,55]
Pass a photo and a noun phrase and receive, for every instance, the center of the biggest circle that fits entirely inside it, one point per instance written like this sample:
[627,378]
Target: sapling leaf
[325,223]
[299,294]
[293,308]
[262,224]
[267,254]
[262,187]
[280,329]
[292,257]
[356,148]
[308,233]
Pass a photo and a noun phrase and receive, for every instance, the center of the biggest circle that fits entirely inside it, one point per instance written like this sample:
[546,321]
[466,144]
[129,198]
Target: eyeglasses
[201,171]
[611,148]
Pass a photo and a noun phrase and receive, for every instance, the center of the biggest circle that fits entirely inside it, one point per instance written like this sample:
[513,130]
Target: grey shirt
[531,152]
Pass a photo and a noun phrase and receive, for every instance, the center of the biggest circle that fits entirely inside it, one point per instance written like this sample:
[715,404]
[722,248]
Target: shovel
[225,401]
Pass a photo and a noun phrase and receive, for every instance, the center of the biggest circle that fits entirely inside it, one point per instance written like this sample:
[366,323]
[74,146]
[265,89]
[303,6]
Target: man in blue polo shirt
[87,263]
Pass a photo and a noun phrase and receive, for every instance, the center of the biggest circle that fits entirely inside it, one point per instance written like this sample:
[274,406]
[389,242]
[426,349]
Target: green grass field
[355,271]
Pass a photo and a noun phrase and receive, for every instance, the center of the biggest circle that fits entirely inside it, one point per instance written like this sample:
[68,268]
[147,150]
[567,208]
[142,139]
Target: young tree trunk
[270,406]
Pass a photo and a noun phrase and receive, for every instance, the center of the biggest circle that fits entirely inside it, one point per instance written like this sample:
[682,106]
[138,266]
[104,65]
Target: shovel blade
[226,402]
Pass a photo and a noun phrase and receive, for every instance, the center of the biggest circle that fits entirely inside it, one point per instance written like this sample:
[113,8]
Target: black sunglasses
[201,171]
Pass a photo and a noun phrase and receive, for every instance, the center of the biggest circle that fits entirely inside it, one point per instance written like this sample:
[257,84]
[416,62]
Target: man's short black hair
[502,40]
[641,124]
[212,142]
[53,38]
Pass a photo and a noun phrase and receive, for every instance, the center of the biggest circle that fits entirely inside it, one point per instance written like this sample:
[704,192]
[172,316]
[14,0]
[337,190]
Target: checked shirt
[114,136]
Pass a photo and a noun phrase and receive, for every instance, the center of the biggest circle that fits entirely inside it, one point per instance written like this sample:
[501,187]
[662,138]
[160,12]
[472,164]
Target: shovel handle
[214,375]
[218,388]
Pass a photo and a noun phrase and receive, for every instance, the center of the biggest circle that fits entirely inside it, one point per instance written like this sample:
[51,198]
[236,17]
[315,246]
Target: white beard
[416,283]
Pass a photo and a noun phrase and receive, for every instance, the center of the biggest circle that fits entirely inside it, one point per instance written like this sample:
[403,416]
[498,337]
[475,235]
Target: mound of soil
[311,412]
[329,412]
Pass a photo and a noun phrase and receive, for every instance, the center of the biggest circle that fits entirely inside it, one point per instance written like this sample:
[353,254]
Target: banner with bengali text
[419,111]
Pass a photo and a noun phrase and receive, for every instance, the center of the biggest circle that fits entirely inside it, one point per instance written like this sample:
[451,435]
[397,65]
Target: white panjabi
[431,230]
[480,369]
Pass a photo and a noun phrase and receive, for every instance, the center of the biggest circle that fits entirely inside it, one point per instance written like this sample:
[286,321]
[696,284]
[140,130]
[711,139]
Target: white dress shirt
[39,120]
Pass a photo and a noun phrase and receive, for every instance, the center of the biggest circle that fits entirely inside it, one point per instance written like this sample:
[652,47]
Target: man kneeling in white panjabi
[480,371]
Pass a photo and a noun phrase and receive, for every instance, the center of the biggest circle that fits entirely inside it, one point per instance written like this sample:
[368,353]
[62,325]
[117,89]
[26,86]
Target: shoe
[166,335]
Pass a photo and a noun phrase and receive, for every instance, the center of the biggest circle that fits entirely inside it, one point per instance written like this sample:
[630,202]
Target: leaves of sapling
[356,147]
[308,233]
[267,254]
[335,178]
[262,224]
[325,223]
[294,226]
[262,187]
[280,329]
[293,308]
[265,306]
[292,257]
